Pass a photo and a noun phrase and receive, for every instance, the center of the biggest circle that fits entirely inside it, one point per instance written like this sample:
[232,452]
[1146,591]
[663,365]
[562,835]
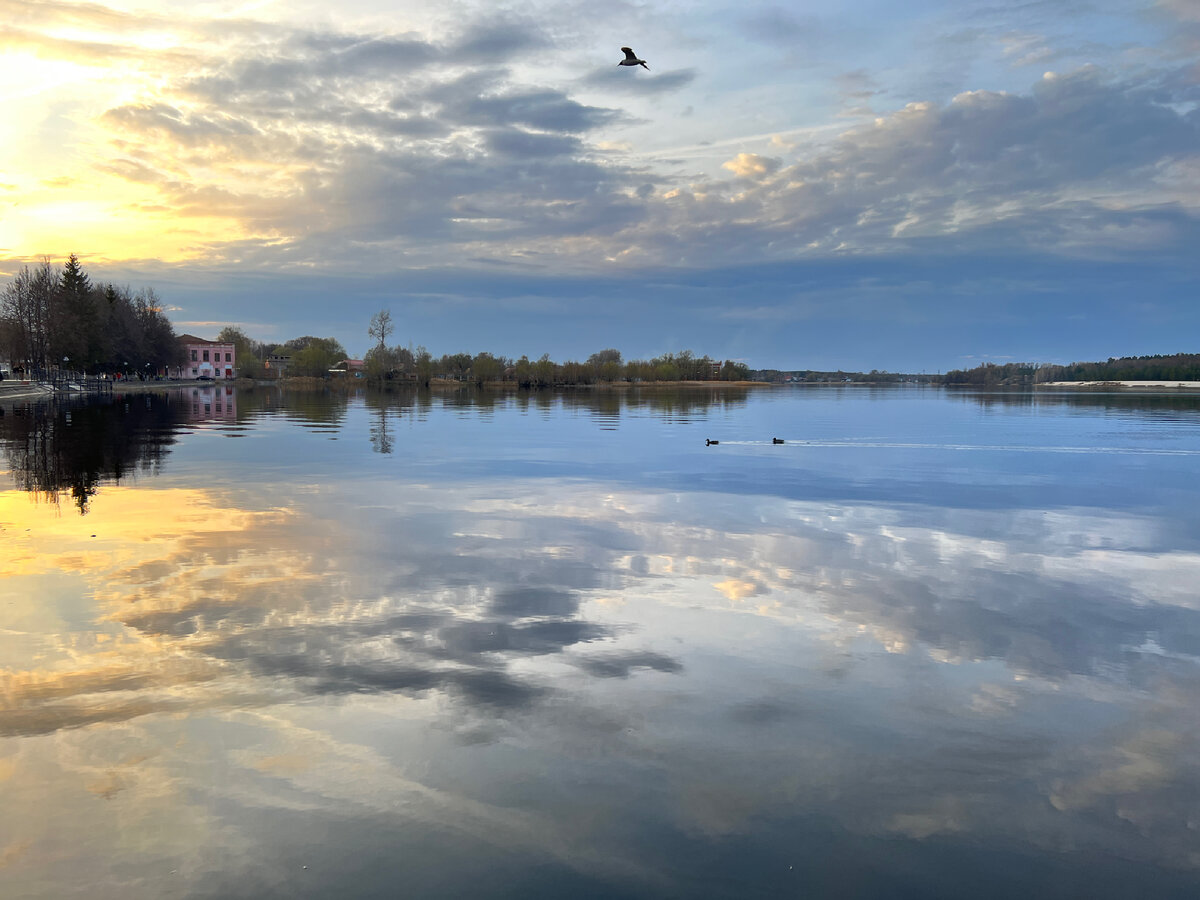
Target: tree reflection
[1186,404]
[57,447]
[603,404]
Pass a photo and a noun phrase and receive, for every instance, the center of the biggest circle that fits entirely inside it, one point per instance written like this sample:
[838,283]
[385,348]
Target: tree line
[55,317]
[383,363]
[1169,367]
[308,355]
[603,367]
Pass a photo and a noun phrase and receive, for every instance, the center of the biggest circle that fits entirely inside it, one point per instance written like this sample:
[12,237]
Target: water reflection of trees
[604,405]
[319,410]
[1185,404]
[682,401]
[59,447]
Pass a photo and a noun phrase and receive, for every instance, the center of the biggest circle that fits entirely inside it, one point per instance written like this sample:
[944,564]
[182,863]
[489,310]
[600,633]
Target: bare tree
[27,304]
[381,326]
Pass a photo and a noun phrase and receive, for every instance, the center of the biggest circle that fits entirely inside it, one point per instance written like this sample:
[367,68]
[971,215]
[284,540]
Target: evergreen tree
[75,320]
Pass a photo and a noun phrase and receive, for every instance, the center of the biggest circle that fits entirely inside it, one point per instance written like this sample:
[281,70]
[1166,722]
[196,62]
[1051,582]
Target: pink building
[205,359]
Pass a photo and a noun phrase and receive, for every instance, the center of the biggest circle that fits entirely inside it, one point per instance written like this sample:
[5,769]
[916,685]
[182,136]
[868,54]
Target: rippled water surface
[932,645]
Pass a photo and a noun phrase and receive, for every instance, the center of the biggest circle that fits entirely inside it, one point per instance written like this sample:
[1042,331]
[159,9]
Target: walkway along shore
[23,390]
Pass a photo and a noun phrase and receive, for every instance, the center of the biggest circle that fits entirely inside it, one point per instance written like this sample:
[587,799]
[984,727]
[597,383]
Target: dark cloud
[468,639]
[542,110]
[622,665]
[529,602]
[530,145]
[490,42]
[767,711]
[623,80]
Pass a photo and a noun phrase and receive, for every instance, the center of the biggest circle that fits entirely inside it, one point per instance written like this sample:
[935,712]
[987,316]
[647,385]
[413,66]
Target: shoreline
[1121,385]
[25,390]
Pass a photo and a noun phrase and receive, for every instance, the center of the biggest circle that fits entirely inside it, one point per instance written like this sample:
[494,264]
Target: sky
[852,184]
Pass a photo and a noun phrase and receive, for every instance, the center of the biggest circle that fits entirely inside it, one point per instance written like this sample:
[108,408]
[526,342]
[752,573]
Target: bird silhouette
[632,60]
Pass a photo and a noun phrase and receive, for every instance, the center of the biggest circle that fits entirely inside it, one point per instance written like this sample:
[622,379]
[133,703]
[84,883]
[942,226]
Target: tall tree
[27,302]
[606,364]
[313,355]
[381,326]
[160,345]
[485,367]
[76,332]
[246,350]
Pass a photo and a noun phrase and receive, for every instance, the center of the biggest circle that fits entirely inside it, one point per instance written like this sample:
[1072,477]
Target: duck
[776,440]
[632,60]
[708,442]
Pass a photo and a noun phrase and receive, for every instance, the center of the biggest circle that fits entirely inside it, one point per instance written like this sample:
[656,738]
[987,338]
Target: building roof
[192,339]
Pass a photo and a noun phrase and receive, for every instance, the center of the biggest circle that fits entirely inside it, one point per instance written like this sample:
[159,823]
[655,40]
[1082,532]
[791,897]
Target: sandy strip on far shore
[1136,385]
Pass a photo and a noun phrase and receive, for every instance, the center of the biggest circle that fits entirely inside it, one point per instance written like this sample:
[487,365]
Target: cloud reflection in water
[526,663]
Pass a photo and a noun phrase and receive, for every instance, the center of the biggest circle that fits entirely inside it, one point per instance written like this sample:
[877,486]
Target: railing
[66,380]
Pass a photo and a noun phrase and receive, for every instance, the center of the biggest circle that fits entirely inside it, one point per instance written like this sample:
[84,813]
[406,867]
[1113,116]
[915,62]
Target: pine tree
[75,327]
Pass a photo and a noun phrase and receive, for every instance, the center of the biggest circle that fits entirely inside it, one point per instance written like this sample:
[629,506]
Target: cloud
[1076,163]
[621,80]
[310,145]
[497,40]
[272,147]
[543,110]
[513,142]
[751,165]
[776,24]
[622,665]
[1185,10]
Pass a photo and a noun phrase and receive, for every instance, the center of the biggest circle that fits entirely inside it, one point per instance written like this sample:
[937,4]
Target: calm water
[934,645]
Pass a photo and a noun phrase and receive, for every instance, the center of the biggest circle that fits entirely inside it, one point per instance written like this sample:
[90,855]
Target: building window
[206,356]
[193,356]
[228,357]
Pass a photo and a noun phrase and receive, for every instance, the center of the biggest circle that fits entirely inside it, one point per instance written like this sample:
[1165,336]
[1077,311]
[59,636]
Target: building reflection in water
[216,403]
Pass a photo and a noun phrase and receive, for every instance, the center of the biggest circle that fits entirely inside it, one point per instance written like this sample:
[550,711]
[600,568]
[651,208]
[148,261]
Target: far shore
[22,390]
[11,389]
[307,383]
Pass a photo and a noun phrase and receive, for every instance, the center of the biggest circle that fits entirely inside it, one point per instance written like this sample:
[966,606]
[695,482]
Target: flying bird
[632,60]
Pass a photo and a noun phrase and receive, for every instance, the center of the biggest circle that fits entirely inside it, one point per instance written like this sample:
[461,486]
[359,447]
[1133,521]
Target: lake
[935,644]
